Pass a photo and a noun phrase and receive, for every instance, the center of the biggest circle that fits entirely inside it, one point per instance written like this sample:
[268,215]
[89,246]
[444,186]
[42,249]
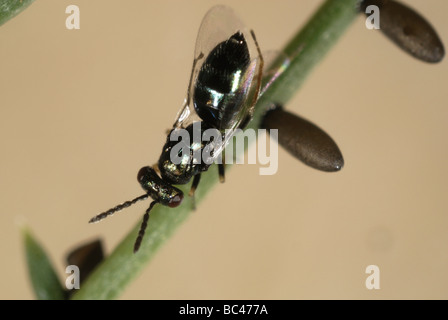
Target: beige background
[83,110]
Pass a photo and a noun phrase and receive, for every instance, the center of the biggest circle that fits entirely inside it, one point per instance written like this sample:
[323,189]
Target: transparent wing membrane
[219,24]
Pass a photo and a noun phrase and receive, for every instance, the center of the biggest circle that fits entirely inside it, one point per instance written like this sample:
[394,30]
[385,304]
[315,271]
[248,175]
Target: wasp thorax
[181,157]
[160,190]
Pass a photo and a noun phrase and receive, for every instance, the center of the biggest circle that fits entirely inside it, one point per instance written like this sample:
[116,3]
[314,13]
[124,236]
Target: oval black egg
[86,257]
[304,140]
[408,29]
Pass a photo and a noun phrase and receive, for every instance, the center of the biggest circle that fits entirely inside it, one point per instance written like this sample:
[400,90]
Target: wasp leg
[245,122]
[260,74]
[221,170]
[194,185]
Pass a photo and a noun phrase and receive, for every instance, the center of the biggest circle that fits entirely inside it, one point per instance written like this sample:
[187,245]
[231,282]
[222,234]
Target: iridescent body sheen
[224,86]
[216,92]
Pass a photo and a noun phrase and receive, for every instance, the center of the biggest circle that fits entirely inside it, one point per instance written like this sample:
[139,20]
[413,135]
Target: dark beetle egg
[408,29]
[304,140]
[86,257]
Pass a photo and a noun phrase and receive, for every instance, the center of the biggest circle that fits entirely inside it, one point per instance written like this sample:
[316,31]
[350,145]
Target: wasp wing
[219,26]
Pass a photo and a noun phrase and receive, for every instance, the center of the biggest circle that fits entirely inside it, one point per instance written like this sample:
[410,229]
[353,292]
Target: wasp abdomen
[219,80]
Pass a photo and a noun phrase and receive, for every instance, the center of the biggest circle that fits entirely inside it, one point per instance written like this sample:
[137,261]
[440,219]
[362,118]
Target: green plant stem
[309,46]
[10,8]
[305,50]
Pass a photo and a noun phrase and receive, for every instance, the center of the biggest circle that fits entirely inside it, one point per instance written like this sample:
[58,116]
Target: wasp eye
[142,173]
[176,200]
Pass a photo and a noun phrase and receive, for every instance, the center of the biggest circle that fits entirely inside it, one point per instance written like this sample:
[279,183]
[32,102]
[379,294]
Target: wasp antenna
[143,226]
[111,211]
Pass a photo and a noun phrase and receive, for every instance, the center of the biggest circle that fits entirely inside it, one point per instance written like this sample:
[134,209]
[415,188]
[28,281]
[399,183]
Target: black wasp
[224,86]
